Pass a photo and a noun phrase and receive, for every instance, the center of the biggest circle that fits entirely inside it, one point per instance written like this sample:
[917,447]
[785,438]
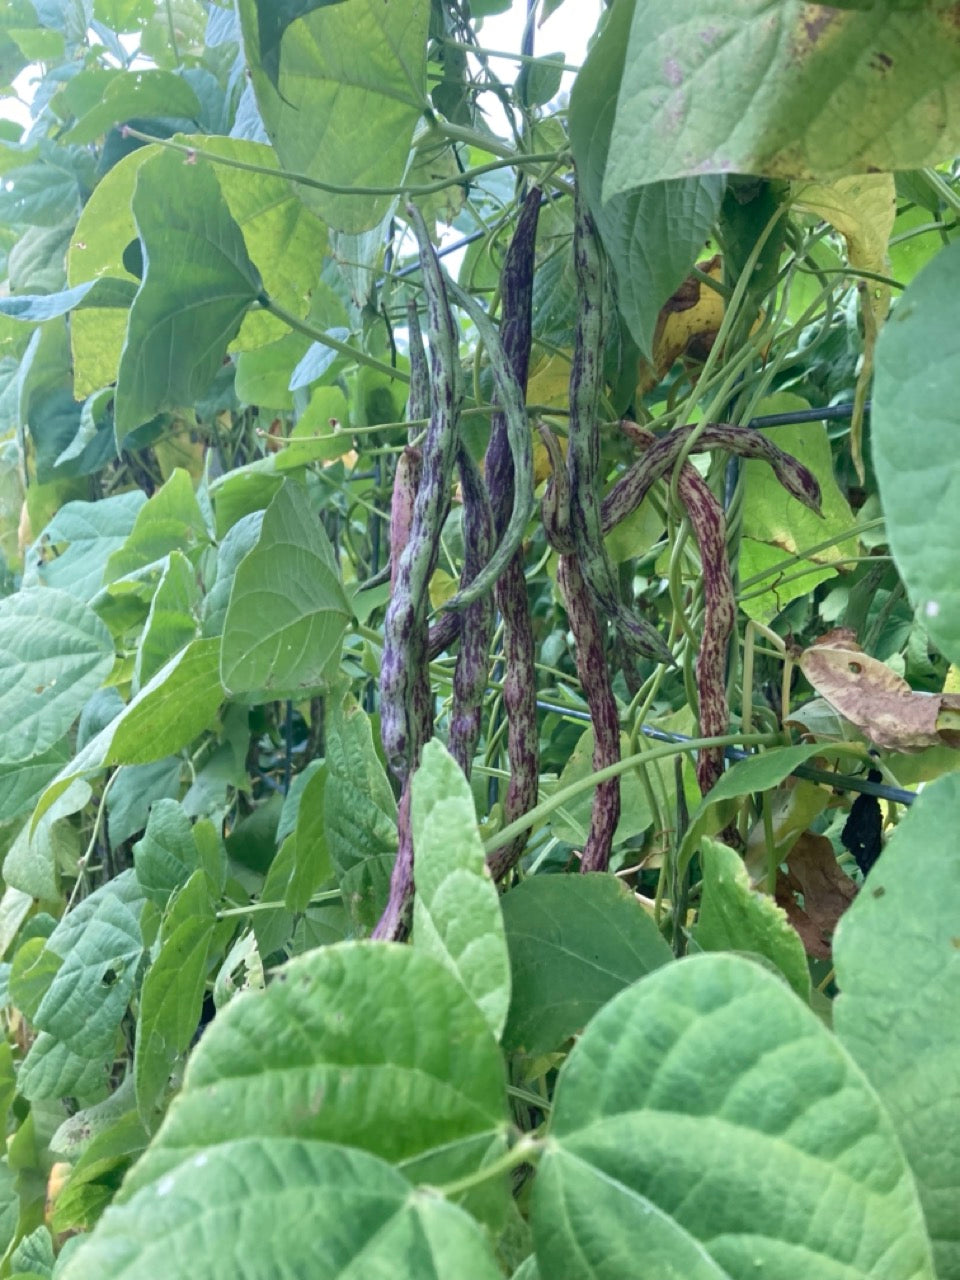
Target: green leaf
[653,234]
[915,420]
[897,955]
[105,1158]
[735,917]
[698,1124]
[286,241]
[54,653]
[33,861]
[172,620]
[236,543]
[758,773]
[133,95]
[456,912]
[766,89]
[572,822]
[252,1198]
[21,784]
[100,945]
[351,90]
[198,283]
[172,996]
[84,535]
[166,857]
[312,865]
[170,520]
[287,614]
[416,1079]
[776,526]
[180,702]
[273,18]
[104,292]
[359,812]
[574,942]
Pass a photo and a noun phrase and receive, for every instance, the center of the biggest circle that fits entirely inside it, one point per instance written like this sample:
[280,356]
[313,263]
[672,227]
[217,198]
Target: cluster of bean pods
[577,516]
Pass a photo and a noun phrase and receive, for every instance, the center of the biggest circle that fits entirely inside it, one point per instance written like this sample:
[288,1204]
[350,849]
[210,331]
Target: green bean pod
[583,452]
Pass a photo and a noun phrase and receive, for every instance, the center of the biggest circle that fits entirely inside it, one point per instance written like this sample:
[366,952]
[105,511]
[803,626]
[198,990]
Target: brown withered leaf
[826,889]
[879,702]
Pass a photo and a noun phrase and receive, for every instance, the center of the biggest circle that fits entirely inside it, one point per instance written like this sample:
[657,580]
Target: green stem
[526,1151]
[342,348]
[560,798]
[508,159]
[330,895]
[782,565]
[478,50]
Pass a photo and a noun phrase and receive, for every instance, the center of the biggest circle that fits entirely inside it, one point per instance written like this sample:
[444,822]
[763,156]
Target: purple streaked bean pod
[720,609]
[634,485]
[406,713]
[510,593]
[406,485]
[476,621]
[595,681]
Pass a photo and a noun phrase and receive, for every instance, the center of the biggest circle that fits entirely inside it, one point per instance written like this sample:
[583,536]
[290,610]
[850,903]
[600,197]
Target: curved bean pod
[720,609]
[634,485]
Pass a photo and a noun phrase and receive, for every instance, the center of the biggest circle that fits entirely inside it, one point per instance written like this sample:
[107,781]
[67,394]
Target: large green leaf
[350,91]
[708,1123]
[84,535]
[286,1206]
[136,94]
[655,234]
[100,946]
[776,525]
[735,917]
[369,1044]
[456,912]
[170,520]
[166,856]
[574,942]
[197,285]
[915,450]
[287,614]
[771,86]
[897,955]
[171,998]
[359,812]
[180,701]
[54,653]
[173,618]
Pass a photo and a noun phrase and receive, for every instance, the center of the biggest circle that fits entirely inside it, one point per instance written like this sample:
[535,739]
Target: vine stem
[527,1150]
[506,161]
[318,335]
[560,798]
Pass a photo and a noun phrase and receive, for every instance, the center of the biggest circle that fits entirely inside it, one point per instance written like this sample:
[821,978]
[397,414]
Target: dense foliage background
[647,570]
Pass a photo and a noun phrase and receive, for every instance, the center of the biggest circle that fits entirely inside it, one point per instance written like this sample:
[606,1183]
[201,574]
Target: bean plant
[479,626]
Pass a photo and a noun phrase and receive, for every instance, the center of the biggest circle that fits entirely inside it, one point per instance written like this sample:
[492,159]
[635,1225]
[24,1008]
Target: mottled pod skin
[510,593]
[583,451]
[720,607]
[476,621]
[634,485]
[594,673]
[406,713]
[406,483]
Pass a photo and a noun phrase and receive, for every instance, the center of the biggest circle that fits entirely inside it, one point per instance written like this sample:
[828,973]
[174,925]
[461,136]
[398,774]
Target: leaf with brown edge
[814,875]
[875,699]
